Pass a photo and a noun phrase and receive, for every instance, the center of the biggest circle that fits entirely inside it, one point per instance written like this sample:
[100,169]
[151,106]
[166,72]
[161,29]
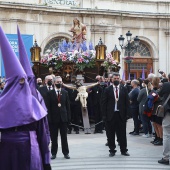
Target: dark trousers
[98,118]
[147,127]
[54,127]
[117,126]
[135,116]
[75,116]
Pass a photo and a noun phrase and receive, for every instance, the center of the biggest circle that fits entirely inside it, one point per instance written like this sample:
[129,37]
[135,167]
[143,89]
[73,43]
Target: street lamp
[128,47]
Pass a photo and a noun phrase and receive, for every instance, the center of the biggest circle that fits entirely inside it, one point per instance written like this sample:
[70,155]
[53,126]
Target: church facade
[49,21]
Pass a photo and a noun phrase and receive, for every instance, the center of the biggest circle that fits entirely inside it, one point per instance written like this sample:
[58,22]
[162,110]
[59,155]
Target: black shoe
[67,156]
[77,132]
[135,133]
[131,132]
[163,161]
[141,131]
[100,131]
[68,131]
[53,156]
[111,154]
[155,140]
[158,143]
[107,144]
[125,154]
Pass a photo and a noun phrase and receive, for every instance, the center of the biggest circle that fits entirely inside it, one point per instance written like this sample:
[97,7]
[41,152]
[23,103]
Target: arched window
[54,44]
[141,51]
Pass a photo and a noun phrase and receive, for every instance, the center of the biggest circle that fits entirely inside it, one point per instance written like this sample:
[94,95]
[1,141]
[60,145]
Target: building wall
[108,19]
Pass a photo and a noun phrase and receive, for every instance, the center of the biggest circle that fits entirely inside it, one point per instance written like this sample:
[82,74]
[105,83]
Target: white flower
[48,51]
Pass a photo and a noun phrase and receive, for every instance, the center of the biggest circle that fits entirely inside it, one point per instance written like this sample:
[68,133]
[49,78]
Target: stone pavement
[88,152]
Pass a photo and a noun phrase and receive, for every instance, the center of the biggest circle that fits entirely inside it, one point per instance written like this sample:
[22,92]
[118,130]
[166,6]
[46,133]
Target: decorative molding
[100,29]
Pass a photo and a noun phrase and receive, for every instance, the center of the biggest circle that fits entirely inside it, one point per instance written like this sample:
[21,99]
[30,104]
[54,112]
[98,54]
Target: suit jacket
[108,103]
[133,95]
[142,98]
[72,96]
[96,94]
[55,113]
[43,90]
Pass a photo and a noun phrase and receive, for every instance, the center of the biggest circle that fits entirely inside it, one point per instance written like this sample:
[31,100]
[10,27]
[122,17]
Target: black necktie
[49,88]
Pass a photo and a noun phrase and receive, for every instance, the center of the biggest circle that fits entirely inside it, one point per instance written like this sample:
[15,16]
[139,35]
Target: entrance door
[137,67]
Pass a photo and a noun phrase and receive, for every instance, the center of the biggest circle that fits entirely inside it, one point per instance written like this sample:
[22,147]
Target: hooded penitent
[16,101]
[27,68]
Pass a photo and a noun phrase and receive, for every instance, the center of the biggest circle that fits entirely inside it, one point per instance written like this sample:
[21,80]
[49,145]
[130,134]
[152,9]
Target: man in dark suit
[75,107]
[115,105]
[96,93]
[48,86]
[58,106]
[134,106]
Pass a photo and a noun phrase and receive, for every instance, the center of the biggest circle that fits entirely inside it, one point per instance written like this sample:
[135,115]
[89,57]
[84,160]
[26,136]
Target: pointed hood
[143,74]
[26,65]
[123,76]
[16,100]
[23,57]
[11,63]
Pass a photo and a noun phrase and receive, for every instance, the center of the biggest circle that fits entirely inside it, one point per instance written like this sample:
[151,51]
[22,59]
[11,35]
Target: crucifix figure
[82,96]
[82,92]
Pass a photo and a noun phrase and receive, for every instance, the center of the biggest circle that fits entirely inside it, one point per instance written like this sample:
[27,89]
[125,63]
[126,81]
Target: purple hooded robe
[21,118]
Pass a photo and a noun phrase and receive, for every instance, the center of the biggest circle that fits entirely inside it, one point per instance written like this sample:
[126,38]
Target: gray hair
[48,77]
[56,78]
[151,76]
[135,81]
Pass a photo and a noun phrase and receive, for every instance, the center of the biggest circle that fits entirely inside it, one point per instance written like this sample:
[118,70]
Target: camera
[164,80]
[161,72]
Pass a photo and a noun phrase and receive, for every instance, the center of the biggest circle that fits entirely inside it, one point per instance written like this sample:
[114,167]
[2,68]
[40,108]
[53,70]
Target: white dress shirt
[56,90]
[114,90]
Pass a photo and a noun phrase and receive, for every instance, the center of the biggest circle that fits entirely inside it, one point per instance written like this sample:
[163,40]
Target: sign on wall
[13,39]
[71,3]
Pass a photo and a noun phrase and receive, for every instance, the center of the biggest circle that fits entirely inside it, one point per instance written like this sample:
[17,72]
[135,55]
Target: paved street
[89,152]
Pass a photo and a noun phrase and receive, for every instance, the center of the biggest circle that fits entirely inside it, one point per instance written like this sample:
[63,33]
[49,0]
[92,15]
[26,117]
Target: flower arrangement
[67,52]
[109,62]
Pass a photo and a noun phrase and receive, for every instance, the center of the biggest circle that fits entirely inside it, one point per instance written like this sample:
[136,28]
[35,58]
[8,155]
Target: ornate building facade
[49,21]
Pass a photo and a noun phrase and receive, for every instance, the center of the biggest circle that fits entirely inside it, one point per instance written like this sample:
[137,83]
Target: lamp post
[128,47]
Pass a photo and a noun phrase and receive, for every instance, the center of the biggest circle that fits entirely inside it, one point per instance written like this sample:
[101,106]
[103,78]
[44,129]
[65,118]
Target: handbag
[160,111]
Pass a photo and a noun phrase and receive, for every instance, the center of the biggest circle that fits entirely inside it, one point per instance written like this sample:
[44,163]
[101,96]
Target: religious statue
[82,92]
[79,32]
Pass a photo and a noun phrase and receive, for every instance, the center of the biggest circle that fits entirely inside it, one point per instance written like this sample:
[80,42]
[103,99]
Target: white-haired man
[48,86]
[59,116]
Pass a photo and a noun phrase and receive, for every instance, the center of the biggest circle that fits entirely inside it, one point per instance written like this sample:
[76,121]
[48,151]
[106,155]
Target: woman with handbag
[157,121]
